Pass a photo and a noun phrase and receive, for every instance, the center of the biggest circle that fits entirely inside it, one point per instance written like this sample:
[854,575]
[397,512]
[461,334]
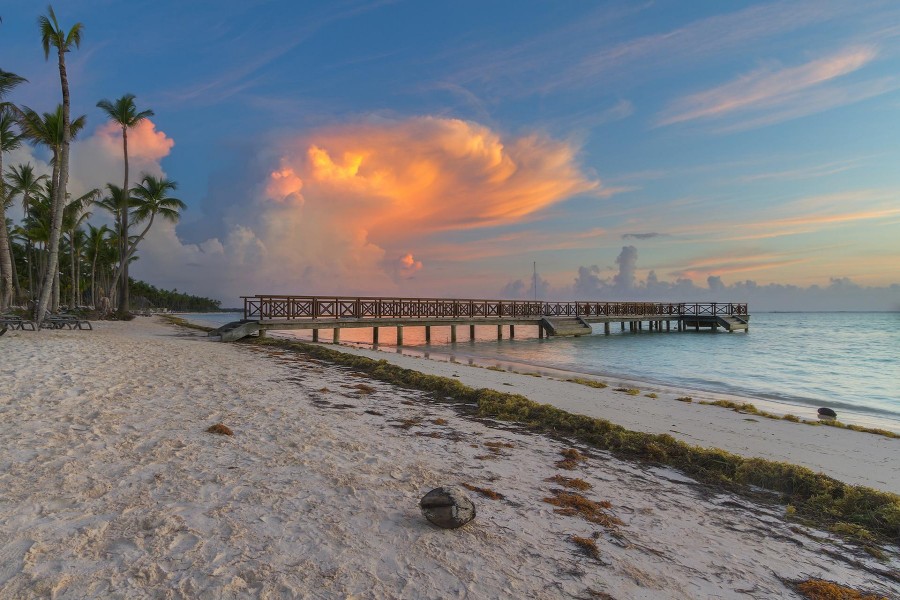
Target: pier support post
[337,335]
[374,336]
[399,335]
[668,326]
[512,331]
[472,333]
[622,323]
[428,334]
[315,335]
[606,328]
[499,332]
[540,331]
[697,326]
[453,334]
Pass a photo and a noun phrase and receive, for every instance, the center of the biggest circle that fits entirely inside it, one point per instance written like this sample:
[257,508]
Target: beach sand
[111,487]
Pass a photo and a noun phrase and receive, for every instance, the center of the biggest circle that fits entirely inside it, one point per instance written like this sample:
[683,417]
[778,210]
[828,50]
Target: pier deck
[264,313]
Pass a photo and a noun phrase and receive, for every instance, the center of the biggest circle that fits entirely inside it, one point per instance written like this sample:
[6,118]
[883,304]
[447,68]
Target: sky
[687,151]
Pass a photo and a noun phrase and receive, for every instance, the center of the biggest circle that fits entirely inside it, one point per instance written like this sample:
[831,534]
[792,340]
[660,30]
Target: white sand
[110,487]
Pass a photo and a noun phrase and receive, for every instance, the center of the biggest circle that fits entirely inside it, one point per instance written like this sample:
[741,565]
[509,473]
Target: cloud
[642,236]
[337,210]
[840,294]
[779,94]
[97,160]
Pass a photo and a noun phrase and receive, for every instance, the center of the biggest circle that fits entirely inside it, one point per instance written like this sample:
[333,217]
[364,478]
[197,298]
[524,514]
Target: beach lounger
[65,322]
[16,322]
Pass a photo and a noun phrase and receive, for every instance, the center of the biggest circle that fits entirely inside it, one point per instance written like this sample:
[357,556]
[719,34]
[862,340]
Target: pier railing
[271,307]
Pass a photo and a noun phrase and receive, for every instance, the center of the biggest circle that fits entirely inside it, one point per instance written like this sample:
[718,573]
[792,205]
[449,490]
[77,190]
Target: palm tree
[74,215]
[9,140]
[97,239]
[151,198]
[52,35]
[116,201]
[124,113]
[22,181]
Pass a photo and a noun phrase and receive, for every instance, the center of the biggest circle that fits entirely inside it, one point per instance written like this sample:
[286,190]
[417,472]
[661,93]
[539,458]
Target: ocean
[847,361]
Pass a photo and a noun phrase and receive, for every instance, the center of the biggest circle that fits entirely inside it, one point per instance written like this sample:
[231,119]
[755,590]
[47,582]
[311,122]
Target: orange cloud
[366,192]
[427,174]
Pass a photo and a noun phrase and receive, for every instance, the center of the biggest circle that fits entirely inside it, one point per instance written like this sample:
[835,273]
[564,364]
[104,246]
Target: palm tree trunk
[59,199]
[72,298]
[29,252]
[123,244]
[6,280]
[15,276]
[94,280]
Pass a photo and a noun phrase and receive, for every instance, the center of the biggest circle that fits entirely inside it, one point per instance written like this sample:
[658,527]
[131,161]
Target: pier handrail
[272,307]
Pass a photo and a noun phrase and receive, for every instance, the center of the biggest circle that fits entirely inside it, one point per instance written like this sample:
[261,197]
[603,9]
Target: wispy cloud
[643,236]
[770,95]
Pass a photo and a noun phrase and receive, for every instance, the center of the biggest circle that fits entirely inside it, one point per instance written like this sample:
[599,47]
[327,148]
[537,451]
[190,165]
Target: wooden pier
[264,313]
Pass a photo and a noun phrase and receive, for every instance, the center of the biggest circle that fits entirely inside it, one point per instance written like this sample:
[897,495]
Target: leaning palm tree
[9,140]
[22,181]
[151,198]
[54,36]
[116,201]
[124,113]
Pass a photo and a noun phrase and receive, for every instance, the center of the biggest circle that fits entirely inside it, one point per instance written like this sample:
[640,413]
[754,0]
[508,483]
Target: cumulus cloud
[97,159]
[337,210]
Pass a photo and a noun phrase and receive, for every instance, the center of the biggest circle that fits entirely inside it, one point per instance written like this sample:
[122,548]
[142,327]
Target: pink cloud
[144,141]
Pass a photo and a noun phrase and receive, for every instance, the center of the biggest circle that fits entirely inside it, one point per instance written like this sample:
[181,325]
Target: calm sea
[848,361]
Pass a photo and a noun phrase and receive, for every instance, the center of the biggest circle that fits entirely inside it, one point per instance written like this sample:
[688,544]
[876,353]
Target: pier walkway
[264,313]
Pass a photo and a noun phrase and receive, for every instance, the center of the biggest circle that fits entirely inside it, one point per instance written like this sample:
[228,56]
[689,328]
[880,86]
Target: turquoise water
[848,361]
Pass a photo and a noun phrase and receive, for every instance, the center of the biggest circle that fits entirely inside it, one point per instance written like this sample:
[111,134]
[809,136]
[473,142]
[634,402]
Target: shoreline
[111,486]
[833,451]
[780,407]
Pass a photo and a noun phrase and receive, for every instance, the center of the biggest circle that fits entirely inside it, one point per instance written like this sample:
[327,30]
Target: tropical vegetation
[68,251]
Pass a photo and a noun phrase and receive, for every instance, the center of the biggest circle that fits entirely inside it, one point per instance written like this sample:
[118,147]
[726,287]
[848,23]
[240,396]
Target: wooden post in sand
[540,331]
[374,336]
[428,334]
[499,332]
[453,334]
[399,335]
[315,335]
[512,331]
[336,338]
[472,332]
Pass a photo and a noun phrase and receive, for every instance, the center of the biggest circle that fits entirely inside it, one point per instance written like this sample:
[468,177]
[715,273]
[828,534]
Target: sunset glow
[752,143]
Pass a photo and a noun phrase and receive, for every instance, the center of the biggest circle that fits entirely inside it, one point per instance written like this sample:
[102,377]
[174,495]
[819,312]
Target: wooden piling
[606,328]
[499,332]
[399,335]
[336,339]
[453,334]
[374,336]
[428,334]
[472,332]
[512,331]
[540,331]
[315,335]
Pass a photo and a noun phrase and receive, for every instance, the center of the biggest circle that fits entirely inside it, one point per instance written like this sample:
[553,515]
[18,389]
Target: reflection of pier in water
[264,313]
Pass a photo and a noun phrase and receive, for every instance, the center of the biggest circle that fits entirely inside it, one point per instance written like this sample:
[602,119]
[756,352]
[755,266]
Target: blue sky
[440,148]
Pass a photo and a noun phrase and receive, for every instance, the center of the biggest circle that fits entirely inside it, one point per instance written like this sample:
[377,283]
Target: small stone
[221,429]
[447,507]
[827,412]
